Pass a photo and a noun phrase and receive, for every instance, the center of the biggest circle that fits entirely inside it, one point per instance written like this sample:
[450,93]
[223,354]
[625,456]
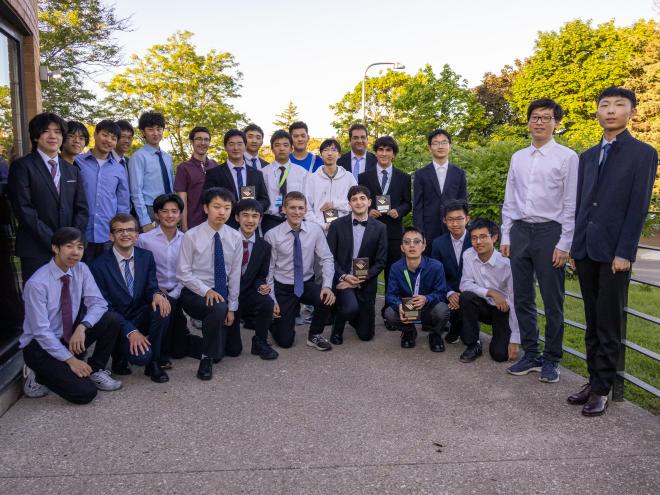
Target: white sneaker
[32,388]
[104,381]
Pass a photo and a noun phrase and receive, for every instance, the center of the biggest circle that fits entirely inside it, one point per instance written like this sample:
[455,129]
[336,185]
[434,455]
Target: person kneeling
[417,293]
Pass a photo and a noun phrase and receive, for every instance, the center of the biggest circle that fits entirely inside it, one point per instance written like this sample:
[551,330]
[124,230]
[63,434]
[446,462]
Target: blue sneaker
[550,372]
[525,365]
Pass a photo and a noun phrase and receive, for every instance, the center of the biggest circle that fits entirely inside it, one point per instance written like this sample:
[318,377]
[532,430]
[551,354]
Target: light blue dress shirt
[146,180]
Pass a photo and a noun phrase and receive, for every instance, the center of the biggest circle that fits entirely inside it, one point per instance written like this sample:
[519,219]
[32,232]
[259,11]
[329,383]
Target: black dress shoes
[472,352]
[581,397]
[435,343]
[263,349]
[156,373]
[120,367]
[336,339]
[408,339]
[595,406]
[205,370]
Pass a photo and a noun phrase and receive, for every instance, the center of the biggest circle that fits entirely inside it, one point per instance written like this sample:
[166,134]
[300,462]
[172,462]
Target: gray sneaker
[32,388]
[104,381]
[319,343]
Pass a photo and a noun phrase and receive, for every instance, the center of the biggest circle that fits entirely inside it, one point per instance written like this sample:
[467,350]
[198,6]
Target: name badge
[248,192]
[383,203]
[361,267]
[278,201]
[330,215]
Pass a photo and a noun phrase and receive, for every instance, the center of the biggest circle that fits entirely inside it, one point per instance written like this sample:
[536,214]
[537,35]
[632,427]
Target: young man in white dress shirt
[487,296]
[538,219]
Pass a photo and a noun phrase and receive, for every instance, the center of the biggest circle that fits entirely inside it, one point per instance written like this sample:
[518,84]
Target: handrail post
[619,381]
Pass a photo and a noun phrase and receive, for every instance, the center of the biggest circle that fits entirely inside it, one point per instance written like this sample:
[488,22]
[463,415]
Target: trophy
[409,310]
[330,215]
[383,203]
[248,192]
[361,267]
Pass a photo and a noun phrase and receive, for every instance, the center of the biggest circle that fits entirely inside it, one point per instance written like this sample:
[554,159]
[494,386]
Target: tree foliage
[287,117]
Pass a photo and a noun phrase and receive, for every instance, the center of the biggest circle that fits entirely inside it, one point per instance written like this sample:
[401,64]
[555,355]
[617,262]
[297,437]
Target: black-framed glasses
[480,238]
[414,242]
[129,230]
[543,118]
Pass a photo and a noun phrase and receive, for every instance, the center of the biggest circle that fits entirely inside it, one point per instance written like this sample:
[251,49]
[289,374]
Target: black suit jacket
[257,268]
[611,206]
[110,280]
[345,161]
[428,200]
[221,176]
[443,251]
[374,247]
[39,208]
[399,192]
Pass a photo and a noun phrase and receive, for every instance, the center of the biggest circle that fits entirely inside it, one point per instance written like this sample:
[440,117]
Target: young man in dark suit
[615,182]
[448,249]
[235,175]
[387,180]
[254,301]
[435,185]
[254,136]
[349,238]
[358,160]
[46,193]
[126,276]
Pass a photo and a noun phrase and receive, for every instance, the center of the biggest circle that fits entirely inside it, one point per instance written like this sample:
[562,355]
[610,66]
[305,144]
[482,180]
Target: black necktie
[357,222]
[283,186]
[163,171]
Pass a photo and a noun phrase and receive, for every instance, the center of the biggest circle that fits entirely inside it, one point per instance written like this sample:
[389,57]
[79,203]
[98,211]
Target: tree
[288,116]
[190,89]
[492,93]
[77,38]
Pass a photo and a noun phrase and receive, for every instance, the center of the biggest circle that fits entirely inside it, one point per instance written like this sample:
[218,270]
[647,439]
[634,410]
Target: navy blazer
[611,206]
[432,283]
[345,161]
[428,200]
[256,271]
[443,251]
[110,280]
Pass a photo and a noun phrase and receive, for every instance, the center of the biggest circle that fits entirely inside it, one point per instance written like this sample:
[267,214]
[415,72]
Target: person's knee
[84,394]
[140,359]
[467,297]
[498,355]
[390,315]
[284,341]
[366,335]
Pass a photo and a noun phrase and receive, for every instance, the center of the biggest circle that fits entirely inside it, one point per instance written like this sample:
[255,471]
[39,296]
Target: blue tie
[298,282]
[254,164]
[606,151]
[220,275]
[239,180]
[128,275]
[164,174]
[356,168]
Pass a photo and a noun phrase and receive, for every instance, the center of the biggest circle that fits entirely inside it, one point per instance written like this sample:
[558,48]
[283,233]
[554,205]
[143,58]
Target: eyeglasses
[440,143]
[413,242]
[454,219]
[129,230]
[202,140]
[478,238]
[543,118]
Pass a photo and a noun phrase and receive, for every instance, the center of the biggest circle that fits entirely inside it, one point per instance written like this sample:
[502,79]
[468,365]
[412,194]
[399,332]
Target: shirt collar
[422,264]
[120,258]
[252,238]
[209,230]
[151,149]
[46,158]
[249,157]
[492,261]
[199,162]
[388,169]
[303,226]
[543,149]
[605,141]
[354,156]
[159,232]
[443,166]
[88,154]
[460,239]
[56,271]
[232,165]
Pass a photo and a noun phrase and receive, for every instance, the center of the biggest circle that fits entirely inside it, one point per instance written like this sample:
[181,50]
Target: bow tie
[357,222]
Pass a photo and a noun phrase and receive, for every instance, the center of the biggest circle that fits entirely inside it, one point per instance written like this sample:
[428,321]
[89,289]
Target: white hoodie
[319,189]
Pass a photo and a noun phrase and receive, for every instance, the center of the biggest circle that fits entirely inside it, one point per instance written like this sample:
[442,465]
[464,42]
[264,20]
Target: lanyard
[407,277]
[311,162]
[284,176]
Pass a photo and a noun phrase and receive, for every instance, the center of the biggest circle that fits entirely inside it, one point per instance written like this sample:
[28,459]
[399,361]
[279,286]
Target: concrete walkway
[363,418]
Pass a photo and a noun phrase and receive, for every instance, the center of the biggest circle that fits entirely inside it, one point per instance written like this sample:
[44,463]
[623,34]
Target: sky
[313,52]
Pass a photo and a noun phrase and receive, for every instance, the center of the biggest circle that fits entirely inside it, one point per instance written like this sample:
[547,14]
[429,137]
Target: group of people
[245,243]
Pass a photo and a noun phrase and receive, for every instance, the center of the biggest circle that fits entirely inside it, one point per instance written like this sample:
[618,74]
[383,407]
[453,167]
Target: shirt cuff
[505,239]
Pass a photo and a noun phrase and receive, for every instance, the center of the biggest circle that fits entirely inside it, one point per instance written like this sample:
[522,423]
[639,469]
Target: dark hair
[151,119]
[330,142]
[415,230]
[125,125]
[109,126]
[298,125]
[357,127]
[353,190]
[218,192]
[455,205]
[232,133]
[253,127]
[196,129]
[619,91]
[65,235]
[123,218]
[73,126]
[39,124]
[163,199]
[280,134]
[438,132]
[484,223]
[386,142]
[294,195]
[249,205]
[557,110]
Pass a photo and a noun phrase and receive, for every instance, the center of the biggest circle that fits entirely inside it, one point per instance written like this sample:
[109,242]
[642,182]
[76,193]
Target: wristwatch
[86,324]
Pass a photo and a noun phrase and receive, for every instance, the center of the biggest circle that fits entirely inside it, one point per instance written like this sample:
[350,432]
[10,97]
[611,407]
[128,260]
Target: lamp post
[395,66]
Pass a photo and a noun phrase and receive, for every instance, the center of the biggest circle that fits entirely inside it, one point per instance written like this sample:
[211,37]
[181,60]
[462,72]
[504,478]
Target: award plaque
[248,192]
[409,310]
[330,215]
[383,203]
[361,267]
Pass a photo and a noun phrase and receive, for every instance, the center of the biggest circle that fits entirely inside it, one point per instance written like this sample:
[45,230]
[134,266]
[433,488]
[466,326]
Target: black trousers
[214,332]
[360,313]
[476,309]
[175,340]
[259,309]
[283,328]
[31,265]
[270,221]
[456,321]
[57,375]
[151,324]
[433,319]
[605,294]
[95,249]
[393,255]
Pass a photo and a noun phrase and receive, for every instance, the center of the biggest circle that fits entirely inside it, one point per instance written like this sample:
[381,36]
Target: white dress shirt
[196,267]
[358,235]
[479,277]
[166,256]
[46,158]
[603,142]
[250,240]
[248,160]
[313,244]
[232,169]
[389,177]
[120,261]
[362,164]
[295,181]
[457,244]
[441,172]
[542,186]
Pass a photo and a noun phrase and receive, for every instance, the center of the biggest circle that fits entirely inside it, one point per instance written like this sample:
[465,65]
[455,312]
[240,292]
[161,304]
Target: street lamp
[395,66]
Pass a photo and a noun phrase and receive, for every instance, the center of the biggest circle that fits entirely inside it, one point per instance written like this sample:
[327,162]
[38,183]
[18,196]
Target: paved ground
[362,418]
[647,266]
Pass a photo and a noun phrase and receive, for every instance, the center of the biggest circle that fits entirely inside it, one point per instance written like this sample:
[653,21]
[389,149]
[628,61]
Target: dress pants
[283,328]
[434,319]
[95,249]
[532,246]
[57,375]
[476,309]
[361,314]
[31,265]
[393,255]
[270,221]
[214,332]
[605,295]
[175,340]
[456,321]
[151,324]
[259,309]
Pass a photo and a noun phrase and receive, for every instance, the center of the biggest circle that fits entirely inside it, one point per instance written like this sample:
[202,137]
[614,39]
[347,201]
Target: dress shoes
[408,339]
[263,349]
[336,339]
[595,406]
[205,370]
[156,373]
[435,343]
[581,397]
[472,352]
